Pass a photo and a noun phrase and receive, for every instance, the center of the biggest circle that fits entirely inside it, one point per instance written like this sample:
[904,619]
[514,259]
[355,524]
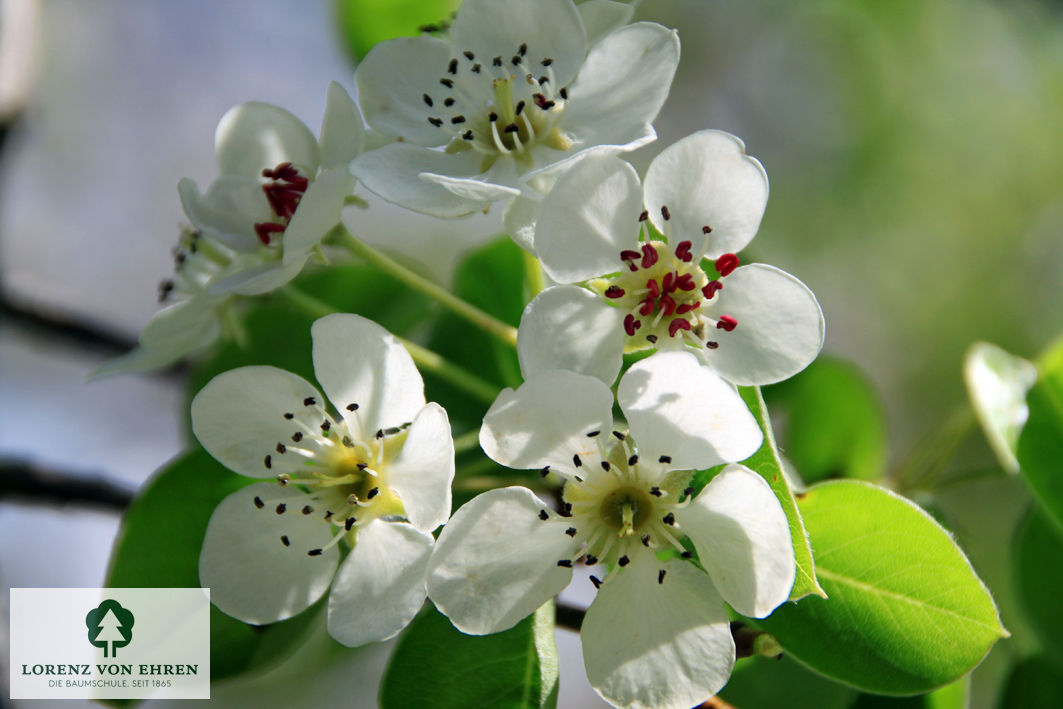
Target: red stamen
[614,292]
[682,251]
[726,264]
[668,282]
[647,306]
[667,305]
[649,255]
[628,256]
[726,323]
[264,229]
[677,325]
[711,288]
[687,307]
[653,287]
[686,282]
[644,216]
[631,324]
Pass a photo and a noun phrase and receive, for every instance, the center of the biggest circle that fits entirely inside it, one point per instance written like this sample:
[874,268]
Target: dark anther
[352,407]
[284,540]
[619,436]
[665,213]
[268,461]
[512,128]
[516,60]
[547,62]
[349,523]
[652,339]
[633,460]
[576,461]
[392,431]
[373,493]
[564,93]
[523,49]
[497,61]
[571,531]
[447,82]
[307,509]
[614,292]
[457,119]
[437,122]
[543,515]
[326,425]
[687,555]
[706,229]
[492,116]
[347,442]
[566,509]
[380,433]
[567,563]
[289,416]
[645,540]
[427,100]
[592,434]
[660,576]
[362,466]
[467,135]
[281,447]
[545,471]
[475,68]
[328,514]
[590,560]
[623,561]
[259,503]
[596,581]
[519,108]
[688,492]
[469,55]
[452,68]
[606,466]
[315,552]
[711,344]
[281,508]
[309,401]
[665,459]
[655,491]
[448,102]
[669,519]
[644,216]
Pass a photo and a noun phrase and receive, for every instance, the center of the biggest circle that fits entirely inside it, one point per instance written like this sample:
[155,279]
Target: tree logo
[110,624]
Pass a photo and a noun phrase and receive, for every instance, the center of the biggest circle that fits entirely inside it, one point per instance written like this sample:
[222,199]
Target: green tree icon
[110,623]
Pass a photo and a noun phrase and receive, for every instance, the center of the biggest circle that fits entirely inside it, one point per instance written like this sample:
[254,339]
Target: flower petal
[743,540]
[319,210]
[588,218]
[358,362]
[546,421]
[550,29]
[707,179]
[600,17]
[251,573]
[256,279]
[423,470]
[182,328]
[622,85]
[239,418]
[519,217]
[496,562]
[228,211]
[657,643]
[392,81]
[381,585]
[342,130]
[568,327]
[395,173]
[679,408]
[780,326]
[254,136]
[471,189]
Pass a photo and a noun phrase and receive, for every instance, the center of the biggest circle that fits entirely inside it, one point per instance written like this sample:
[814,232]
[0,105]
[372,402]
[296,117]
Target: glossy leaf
[436,666]
[767,682]
[997,383]
[905,612]
[1040,448]
[1039,578]
[366,22]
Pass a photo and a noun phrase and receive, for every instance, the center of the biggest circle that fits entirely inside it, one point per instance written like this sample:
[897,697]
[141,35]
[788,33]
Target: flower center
[284,189]
[627,509]
[498,106]
[197,263]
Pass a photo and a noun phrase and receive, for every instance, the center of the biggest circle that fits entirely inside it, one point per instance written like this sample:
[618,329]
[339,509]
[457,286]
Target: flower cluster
[533,104]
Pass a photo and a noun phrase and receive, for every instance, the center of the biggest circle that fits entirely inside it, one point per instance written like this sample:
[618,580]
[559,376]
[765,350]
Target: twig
[27,482]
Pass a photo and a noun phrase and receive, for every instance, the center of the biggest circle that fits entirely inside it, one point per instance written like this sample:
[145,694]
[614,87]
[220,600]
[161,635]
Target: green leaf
[1039,578]
[366,22]
[835,425]
[764,682]
[158,546]
[997,383]
[1034,683]
[1040,447]
[436,666]
[766,462]
[905,612]
[951,696]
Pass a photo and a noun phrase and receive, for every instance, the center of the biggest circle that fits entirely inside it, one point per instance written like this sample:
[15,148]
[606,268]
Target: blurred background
[914,148]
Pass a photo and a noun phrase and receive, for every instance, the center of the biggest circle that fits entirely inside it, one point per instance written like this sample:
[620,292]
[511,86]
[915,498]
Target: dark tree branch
[26,482]
[45,321]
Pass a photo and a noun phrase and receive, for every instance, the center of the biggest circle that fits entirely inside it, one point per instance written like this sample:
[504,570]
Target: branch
[52,323]
[26,482]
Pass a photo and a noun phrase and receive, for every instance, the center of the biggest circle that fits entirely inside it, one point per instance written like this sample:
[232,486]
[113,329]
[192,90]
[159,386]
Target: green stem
[533,275]
[925,463]
[426,359]
[488,323]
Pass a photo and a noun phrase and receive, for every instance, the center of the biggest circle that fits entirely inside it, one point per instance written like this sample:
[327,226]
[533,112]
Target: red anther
[629,256]
[652,286]
[631,324]
[264,229]
[726,264]
[540,100]
[686,282]
[687,307]
[665,213]
[682,251]
[667,305]
[614,292]
[275,173]
[647,306]
[644,216]
[668,282]
[706,229]
[726,323]
[677,325]
[649,255]
[710,289]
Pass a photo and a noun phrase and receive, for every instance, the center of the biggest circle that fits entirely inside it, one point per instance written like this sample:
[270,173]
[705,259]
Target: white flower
[374,474]
[514,96]
[752,324]
[657,634]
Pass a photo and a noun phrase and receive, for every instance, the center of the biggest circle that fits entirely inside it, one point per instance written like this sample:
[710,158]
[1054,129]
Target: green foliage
[1040,448]
[905,612]
[363,23]
[1039,578]
[835,425]
[158,546]
[767,682]
[951,696]
[436,666]
[1034,682]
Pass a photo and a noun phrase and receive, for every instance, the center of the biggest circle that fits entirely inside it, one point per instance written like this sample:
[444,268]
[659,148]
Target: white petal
[554,164]
[650,645]
[546,421]
[550,29]
[252,575]
[997,384]
[600,17]
[228,211]
[392,80]
[623,84]
[743,540]
[254,136]
[358,362]
[136,360]
[183,327]
[239,418]
[394,172]
[496,561]
[423,470]
[470,189]
[381,584]
[568,327]
[319,210]
[780,326]
[257,279]
[679,408]
[707,179]
[342,130]
[588,218]
[519,216]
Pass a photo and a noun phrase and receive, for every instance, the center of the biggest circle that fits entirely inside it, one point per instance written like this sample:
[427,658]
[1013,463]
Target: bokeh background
[914,147]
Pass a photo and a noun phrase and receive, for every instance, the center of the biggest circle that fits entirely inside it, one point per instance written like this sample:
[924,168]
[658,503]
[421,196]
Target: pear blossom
[629,259]
[372,474]
[508,101]
[657,634]
[279,191]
